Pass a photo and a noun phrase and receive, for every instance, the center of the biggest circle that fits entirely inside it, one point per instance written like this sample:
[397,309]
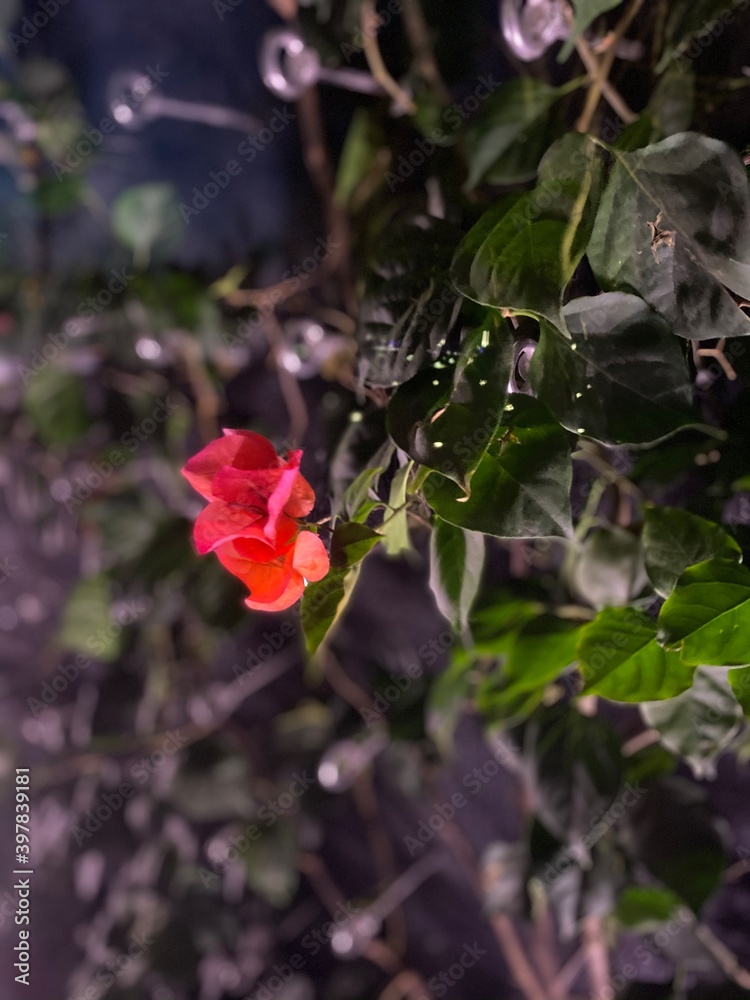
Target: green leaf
[54,401]
[621,378]
[621,659]
[357,155]
[395,528]
[675,539]
[271,864]
[508,138]
[445,418]
[739,681]
[86,625]
[672,832]
[521,254]
[576,769]
[707,616]
[447,698]
[694,190]
[586,12]
[456,563]
[608,570]
[146,215]
[698,724]
[537,653]
[672,103]
[358,493]
[324,601]
[409,304]
[521,487]
[643,908]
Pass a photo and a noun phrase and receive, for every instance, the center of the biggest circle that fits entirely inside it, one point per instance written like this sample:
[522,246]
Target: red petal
[266,581]
[310,557]
[241,449]
[220,522]
[290,596]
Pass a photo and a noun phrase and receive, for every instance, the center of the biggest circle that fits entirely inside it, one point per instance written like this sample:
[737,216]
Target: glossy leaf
[521,255]
[620,378]
[675,539]
[707,616]
[409,303]
[521,487]
[608,570]
[621,659]
[445,416]
[456,563]
[674,226]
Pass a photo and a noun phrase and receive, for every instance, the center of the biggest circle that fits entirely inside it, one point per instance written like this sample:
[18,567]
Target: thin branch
[609,92]
[595,951]
[418,33]
[370,24]
[520,967]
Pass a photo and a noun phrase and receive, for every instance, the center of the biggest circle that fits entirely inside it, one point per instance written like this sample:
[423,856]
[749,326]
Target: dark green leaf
[675,539]
[698,724]
[87,626]
[739,681]
[409,304]
[576,769]
[620,378]
[671,831]
[444,418]
[146,215]
[521,488]
[54,400]
[521,255]
[506,141]
[688,18]
[674,226]
[456,562]
[707,616]
[621,659]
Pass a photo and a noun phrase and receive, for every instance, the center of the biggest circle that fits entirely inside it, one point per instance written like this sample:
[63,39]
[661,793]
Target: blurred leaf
[395,527]
[509,136]
[622,660]
[739,681]
[674,226]
[576,769]
[86,625]
[672,103]
[304,729]
[675,539]
[521,487]
[503,871]
[687,18]
[707,615]
[358,155]
[456,563]
[608,570]
[521,254]
[698,724]
[619,377]
[448,697]
[146,215]
[54,401]
[644,909]
[271,864]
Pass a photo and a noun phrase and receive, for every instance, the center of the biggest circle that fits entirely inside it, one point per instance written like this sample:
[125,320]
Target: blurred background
[213,816]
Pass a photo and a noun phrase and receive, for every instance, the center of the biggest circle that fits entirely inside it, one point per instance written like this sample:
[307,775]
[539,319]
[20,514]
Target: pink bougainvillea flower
[251,522]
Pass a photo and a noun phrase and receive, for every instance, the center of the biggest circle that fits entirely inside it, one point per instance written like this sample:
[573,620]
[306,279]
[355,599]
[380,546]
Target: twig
[605,66]
[407,985]
[418,33]
[290,390]
[609,92]
[379,70]
[520,967]
[207,403]
[595,951]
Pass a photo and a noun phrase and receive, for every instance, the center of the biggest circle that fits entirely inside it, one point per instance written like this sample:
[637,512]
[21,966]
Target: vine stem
[378,68]
[605,66]
[420,478]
